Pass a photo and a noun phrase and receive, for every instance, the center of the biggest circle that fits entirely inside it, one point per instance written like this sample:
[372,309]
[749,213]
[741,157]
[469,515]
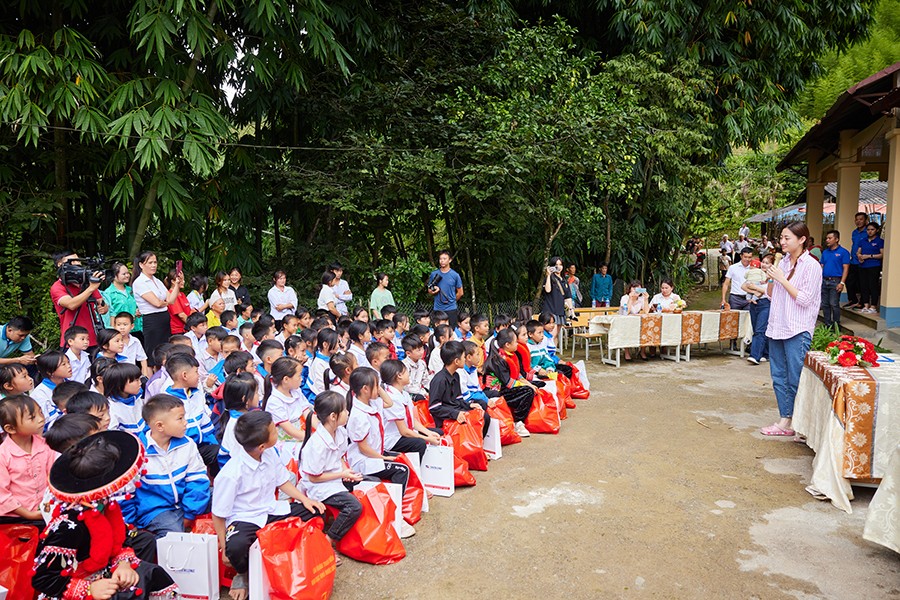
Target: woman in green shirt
[381,296]
[119,297]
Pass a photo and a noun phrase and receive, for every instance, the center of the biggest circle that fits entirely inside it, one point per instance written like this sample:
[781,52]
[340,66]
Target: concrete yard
[656,487]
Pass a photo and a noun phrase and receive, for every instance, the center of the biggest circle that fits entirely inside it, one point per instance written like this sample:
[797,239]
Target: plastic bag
[298,559]
[567,388]
[501,413]
[543,417]
[414,497]
[18,545]
[462,477]
[373,539]
[468,443]
[423,413]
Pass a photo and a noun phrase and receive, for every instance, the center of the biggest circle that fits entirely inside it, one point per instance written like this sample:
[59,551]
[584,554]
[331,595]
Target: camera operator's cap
[75,490]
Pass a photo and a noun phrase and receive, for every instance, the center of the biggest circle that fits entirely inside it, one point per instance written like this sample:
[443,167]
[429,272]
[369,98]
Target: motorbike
[697,271]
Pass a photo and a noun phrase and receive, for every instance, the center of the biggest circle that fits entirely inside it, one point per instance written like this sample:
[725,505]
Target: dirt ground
[656,487]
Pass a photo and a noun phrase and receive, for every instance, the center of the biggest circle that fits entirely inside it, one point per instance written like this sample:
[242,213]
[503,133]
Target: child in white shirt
[78,340]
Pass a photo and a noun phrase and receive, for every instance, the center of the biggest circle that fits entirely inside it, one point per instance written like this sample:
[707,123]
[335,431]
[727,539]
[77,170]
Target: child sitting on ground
[503,375]
[402,432]
[53,369]
[401,327]
[360,336]
[110,344]
[25,461]
[441,336]
[122,386]
[337,376]
[197,324]
[78,340]
[376,354]
[244,494]
[174,488]
[84,553]
[445,399]
[230,322]
[326,344]
[541,362]
[322,465]
[185,379]
[267,352]
[364,426]
[211,355]
[289,326]
[419,378]
[469,380]
[14,380]
[90,403]
[384,333]
[285,403]
[463,329]
[240,395]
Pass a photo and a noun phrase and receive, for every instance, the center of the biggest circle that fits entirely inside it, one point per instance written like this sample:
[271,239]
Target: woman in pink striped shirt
[795,287]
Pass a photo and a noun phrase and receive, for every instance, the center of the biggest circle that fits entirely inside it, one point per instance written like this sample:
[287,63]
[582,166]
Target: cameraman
[70,301]
[446,286]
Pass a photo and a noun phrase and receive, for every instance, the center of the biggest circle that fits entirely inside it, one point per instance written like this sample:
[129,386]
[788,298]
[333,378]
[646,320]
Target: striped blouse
[791,316]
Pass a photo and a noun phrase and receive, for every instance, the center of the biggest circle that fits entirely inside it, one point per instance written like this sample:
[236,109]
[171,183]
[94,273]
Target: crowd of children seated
[221,411]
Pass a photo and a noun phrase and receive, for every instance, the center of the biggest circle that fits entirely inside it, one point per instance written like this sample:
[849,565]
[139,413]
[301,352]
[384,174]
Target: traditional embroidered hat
[71,489]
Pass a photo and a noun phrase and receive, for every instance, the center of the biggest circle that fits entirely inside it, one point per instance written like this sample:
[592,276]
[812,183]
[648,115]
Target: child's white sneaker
[522,430]
[406,530]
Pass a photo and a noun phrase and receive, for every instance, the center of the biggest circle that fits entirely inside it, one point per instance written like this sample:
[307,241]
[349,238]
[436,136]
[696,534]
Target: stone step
[869,320]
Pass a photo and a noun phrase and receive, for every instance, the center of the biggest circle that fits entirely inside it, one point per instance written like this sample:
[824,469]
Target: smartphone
[178,266]
[641,290]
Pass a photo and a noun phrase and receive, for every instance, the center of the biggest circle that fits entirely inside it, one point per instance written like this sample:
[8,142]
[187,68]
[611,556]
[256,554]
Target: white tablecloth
[883,518]
[625,331]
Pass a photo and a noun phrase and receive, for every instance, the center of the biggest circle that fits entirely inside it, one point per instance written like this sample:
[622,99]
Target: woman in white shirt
[635,302]
[282,298]
[327,299]
[153,300]
[223,290]
[342,292]
[665,298]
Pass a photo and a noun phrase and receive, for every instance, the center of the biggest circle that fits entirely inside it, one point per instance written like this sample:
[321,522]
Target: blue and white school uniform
[402,410]
[81,367]
[171,479]
[125,414]
[321,455]
[459,336]
[207,362]
[196,413]
[550,346]
[43,395]
[398,346]
[366,423]
[470,386]
[304,381]
[317,373]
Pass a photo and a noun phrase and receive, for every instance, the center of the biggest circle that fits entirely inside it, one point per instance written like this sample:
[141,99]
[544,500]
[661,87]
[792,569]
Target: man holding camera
[446,286]
[71,300]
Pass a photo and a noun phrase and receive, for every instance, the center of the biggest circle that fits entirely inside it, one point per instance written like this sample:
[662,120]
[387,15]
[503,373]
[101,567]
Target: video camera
[80,271]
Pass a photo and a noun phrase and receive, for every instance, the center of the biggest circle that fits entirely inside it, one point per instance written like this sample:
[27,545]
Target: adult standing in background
[744,231]
[153,300]
[446,286]
[342,293]
[282,298]
[574,286]
[241,293]
[727,248]
[796,291]
[733,296]
[381,295]
[765,246]
[120,298]
[554,296]
[223,291]
[856,236]
[835,263]
[870,253]
[601,287]
[70,301]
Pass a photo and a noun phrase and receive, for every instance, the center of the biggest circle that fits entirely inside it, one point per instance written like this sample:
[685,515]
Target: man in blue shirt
[601,287]
[446,286]
[858,235]
[835,267]
[14,340]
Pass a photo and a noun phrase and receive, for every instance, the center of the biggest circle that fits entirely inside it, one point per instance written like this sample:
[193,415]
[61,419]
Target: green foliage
[822,336]
[407,281]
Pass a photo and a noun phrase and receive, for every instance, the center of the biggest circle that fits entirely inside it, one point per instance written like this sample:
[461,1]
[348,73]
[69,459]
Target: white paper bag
[3,592]
[396,492]
[582,375]
[258,584]
[437,471]
[492,446]
[415,461]
[192,560]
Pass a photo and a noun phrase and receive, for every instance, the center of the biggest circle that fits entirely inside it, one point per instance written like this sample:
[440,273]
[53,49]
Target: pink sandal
[776,431]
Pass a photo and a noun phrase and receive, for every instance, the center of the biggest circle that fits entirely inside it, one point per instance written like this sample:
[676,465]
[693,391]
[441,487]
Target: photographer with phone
[554,296]
[75,294]
[446,286]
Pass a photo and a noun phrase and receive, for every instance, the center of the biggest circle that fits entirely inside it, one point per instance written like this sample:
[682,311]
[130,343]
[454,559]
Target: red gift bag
[373,539]
[556,401]
[298,559]
[564,390]
[468,442]
[543,417]
[578,390]
[18,545]
[503,415]
[423,413]
[415,493]
[462,477]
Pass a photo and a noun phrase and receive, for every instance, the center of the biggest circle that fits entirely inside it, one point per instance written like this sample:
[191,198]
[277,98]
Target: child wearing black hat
[81,554]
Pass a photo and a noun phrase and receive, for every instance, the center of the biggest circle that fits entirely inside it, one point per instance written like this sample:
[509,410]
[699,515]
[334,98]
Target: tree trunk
[608,256]
[427,227]
[448,224]
[277,234]
[149,202]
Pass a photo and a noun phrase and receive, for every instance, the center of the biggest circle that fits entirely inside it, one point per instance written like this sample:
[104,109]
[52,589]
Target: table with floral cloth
[851,419]
[671,330]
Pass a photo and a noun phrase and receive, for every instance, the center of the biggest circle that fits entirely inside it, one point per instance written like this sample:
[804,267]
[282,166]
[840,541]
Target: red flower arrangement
[852,351]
